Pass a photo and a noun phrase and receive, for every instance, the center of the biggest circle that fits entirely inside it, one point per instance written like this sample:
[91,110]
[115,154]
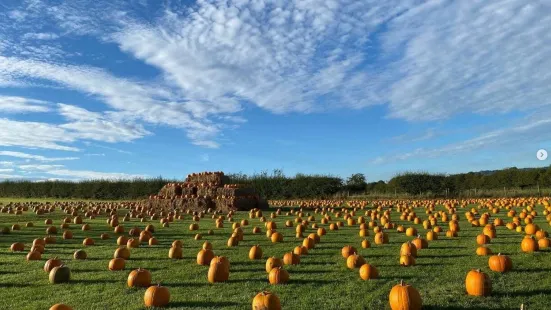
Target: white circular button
[541,154]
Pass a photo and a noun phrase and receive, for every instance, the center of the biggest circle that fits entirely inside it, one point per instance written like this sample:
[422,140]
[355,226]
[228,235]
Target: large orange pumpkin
[51,263]
[266,301]
[139,278]
[156,296]
[500,263]
[404,297]
[477,283]
[278,276]
[117,264]
[348,250]
[204,257]
[255,252]
[291,258]
[368,271]
[529,244]
[355,261]
[273,262]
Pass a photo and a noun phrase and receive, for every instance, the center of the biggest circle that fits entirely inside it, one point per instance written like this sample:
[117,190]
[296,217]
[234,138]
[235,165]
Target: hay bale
[189,191]
[171,190]
[207,191]
[229,192]
[212,179]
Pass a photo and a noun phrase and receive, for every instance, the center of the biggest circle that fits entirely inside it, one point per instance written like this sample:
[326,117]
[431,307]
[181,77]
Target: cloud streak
[35,157]
[14,104]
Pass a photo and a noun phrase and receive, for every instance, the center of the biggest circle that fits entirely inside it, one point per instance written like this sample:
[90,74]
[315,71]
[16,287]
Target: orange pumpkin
[139,278]
[368,271]
[266,301]
[478,283]
[156,296]
[500,263]
[404,297]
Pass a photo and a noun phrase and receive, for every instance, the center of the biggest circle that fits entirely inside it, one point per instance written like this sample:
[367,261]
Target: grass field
[320,281]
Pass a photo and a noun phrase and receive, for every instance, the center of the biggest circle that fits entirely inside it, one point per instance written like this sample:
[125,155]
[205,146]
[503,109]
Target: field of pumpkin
[440,254]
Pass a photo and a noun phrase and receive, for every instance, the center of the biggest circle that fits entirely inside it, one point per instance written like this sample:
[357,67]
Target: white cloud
[40,36]
[35,157]
[531,130]
[99,126]
[14,104]
[10,176]
[61,172]
[17,15]
[87,175]
[427,60]
[132,101]
[469,57]
[34,135]
[4,170]
[82,125]
[205,157]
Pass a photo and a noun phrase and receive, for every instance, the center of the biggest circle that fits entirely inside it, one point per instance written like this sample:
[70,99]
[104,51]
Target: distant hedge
[94,189]
[274,186]
[506,182]
[279,186]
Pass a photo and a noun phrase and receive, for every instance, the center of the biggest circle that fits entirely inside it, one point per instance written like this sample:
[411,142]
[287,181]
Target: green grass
[320,281]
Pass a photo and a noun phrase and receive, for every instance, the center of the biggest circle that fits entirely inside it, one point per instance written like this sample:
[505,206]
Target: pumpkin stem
[402,282]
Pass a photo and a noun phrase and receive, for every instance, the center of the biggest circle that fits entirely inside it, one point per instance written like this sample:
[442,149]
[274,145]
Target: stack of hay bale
[207,190]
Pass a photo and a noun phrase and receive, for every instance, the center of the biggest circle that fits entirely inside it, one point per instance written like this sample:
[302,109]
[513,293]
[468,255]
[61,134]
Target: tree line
[277,185]
[454,185]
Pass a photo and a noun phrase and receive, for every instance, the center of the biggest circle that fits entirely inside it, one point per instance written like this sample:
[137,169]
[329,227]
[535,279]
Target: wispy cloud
[533,130]
[34,157]
[40,36]
[14,104]
[81,125]
[425,60]
[409,137]
[205,157]
[61,172]
[108,148]
[10,176]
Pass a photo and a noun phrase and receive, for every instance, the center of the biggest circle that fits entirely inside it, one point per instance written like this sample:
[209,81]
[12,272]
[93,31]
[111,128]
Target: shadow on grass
[328,264]
[445,256]
[531,270]
[458,308]
[311,271]
[17,285]
[524,293]
[311,281]
[446,247]
[245,269]
[399,277]
[370,255]
[93,281]
[185,284]
[240,263]
[202,304]
[248,280]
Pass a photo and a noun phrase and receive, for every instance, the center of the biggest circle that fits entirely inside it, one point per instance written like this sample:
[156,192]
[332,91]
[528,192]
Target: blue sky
[142,88]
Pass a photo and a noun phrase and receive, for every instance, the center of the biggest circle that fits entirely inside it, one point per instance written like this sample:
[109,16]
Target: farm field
[320,281]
